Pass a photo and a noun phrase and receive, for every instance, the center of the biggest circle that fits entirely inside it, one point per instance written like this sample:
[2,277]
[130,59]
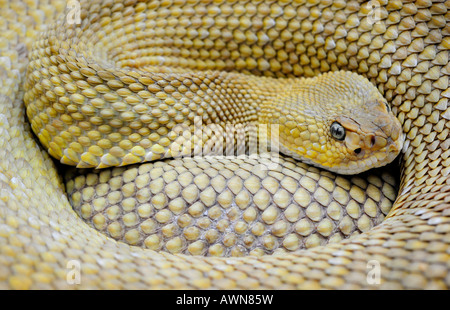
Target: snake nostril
[357,151]
[372,141]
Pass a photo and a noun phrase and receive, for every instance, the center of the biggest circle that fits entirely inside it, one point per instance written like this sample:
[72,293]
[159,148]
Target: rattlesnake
[404,53]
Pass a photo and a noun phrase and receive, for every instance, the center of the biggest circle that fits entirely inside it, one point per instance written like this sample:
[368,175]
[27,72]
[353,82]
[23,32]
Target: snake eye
[337,131]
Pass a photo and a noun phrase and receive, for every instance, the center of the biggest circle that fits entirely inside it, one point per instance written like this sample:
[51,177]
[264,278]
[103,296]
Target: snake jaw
[365,130]
[375,148]
[373,133]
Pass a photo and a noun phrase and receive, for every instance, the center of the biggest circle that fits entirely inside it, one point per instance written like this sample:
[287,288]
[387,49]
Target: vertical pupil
[337,131]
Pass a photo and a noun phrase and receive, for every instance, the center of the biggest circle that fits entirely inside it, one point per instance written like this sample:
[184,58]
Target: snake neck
[235,115]
[246,110]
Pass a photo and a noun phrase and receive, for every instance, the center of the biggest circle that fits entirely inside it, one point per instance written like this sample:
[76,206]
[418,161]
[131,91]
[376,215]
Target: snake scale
[400,46]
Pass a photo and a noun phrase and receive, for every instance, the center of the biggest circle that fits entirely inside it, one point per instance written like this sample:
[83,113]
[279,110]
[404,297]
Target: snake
[253,48]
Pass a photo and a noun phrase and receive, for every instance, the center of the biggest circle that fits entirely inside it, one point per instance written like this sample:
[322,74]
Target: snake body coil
[404,52]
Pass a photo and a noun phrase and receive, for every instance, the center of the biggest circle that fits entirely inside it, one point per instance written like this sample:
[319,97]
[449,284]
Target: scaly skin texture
[92,103]
[90,114]
[405,55]
[230,207]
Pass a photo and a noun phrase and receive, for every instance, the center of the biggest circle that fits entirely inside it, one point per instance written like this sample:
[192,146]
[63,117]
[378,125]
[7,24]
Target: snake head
[370,139]
[340,122]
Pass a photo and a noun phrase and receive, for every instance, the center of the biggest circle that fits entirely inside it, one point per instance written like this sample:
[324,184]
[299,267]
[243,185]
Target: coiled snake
[401,47]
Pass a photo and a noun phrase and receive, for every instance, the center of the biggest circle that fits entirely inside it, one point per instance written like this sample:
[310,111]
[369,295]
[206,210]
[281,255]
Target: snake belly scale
[404,53]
